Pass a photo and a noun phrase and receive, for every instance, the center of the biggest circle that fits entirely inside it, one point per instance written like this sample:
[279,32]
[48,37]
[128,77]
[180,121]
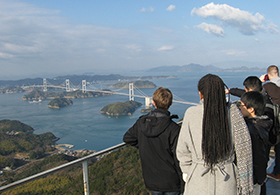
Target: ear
[200,95]
[251,110]
[154,104]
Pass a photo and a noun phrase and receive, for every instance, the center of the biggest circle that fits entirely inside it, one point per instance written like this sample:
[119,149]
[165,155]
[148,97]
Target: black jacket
[259,128]
[155,135]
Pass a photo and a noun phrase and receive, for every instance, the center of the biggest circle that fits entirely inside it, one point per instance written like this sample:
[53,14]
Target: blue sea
[82,125]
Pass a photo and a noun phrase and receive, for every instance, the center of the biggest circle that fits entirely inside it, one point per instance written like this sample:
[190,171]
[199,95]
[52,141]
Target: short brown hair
[163,98]
[273,70]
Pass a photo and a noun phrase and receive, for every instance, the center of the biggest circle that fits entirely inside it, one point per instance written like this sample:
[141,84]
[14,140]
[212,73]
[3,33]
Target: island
[36,94]
[120,108]
[59,103]
[139,84]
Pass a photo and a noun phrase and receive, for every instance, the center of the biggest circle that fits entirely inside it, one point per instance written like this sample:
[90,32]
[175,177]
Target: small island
[120,108]
[139,84]
[59,103]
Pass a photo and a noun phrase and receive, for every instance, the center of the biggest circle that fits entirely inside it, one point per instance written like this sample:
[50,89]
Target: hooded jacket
[155,135]
[259,128]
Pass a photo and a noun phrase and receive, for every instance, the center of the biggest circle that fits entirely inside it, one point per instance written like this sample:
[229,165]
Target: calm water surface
[82,124]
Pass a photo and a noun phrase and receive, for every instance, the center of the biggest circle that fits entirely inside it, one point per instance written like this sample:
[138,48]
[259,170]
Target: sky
[40,38]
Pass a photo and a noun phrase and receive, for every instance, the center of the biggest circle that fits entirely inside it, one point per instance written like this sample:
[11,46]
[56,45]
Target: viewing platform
[273,187]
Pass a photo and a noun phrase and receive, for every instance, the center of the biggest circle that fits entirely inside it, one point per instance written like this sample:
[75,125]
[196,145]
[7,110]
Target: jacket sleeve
[183,153]
[259,156]
[174,137]
[131,136]
[236,92]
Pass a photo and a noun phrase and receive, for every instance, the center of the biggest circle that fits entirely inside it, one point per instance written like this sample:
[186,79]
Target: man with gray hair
[272,87]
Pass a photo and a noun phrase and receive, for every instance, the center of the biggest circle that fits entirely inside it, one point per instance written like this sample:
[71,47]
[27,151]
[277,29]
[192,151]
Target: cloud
[171,8]
[166,48]
[243,21]
[133,48]
[150,9]
[234,52]
[39,40]
[211,28]
[5,55]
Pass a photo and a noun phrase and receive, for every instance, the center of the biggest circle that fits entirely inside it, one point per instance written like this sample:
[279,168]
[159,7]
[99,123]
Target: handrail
[44,173]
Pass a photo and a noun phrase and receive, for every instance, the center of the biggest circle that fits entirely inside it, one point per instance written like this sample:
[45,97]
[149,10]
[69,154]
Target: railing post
[85,176]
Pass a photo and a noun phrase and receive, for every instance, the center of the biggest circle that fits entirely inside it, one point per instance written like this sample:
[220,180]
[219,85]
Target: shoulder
[194,109]
[270,86]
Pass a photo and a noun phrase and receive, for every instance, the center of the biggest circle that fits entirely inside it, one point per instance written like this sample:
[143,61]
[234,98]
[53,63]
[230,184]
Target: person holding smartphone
[271,85]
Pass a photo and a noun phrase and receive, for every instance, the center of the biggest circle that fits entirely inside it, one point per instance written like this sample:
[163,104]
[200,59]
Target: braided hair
[216,136]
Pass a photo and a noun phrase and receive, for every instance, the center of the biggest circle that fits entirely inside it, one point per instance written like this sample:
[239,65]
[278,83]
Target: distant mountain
[186,68]
[75,79]
[199,68]
[240,63]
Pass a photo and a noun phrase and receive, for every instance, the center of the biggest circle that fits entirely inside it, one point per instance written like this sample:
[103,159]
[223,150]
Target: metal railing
[83,160]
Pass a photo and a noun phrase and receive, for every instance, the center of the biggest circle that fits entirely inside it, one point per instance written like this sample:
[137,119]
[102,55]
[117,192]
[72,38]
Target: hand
[262,78]
[227,91]
[185,177]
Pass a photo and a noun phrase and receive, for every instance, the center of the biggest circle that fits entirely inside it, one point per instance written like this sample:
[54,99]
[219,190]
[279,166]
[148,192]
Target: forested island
[120,108]
[59,103]
[139,84]
[36,94]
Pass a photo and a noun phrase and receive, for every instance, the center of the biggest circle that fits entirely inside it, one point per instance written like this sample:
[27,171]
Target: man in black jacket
[252,107]
[155,135]
[253,83]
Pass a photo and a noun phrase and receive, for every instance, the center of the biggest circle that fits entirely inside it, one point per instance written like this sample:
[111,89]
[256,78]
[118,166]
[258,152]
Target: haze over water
[82,125]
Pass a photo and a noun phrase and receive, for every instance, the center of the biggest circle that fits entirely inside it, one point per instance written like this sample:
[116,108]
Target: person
[272,87]
[252,108]
[212,134]
[251,83]
[156,135]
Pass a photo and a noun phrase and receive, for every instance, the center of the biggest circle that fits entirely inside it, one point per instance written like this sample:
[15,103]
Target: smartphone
[266,78]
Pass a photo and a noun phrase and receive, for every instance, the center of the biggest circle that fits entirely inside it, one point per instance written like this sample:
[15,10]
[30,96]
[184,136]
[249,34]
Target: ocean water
[82,125]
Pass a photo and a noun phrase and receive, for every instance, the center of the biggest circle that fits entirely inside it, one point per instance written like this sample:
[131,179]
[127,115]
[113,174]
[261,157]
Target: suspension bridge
[86,86]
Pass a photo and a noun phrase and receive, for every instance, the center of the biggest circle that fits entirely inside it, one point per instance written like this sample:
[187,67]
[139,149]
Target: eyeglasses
[240,104]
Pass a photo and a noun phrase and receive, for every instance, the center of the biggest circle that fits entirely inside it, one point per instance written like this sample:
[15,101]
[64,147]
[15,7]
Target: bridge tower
[67,85]
[131,92]
[84,86]
[45,85]
[148,102]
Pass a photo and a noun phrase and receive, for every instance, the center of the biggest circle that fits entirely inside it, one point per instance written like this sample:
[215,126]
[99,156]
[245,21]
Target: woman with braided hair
[214,145]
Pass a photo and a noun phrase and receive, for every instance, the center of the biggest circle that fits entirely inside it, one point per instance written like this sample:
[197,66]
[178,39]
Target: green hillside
[117,173]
